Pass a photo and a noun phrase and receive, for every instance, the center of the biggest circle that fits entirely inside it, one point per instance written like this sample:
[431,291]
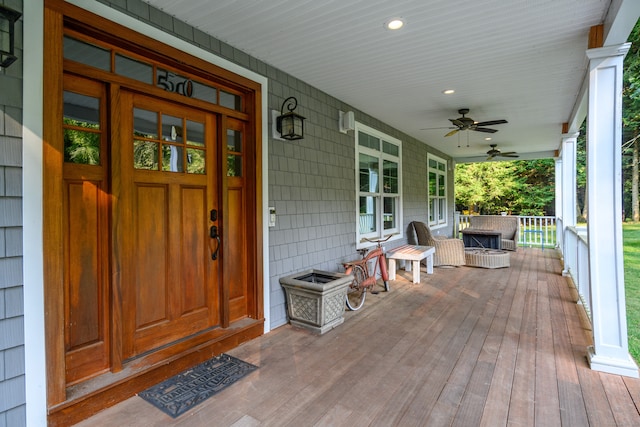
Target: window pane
[195,133]
[234,165]
[390,177]
[134,69]
[390,148]
[369,141]
[145,123]
[368,219]
[441,166]
[369,173]
[433,164]
[389,218]
[234,140]
[183,85]
[441,209]
[432,184]
[172,158]
[230,100]
[87,54]
[195,161]
[204,92]
[441,186]
[81,110]
[145,155]
[171,128]
[433,208]
[81,147]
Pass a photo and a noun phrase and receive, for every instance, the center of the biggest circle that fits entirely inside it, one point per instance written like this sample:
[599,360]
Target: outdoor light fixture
[290,125]
[8,17]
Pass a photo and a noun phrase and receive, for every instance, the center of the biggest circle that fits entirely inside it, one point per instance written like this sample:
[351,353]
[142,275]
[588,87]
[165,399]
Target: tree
[486,188]
[631,123]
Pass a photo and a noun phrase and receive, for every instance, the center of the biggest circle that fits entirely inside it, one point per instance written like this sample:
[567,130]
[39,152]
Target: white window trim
[396,233]
[438,224]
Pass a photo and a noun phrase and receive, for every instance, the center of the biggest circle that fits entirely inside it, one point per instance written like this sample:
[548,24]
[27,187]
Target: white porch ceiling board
[521,60]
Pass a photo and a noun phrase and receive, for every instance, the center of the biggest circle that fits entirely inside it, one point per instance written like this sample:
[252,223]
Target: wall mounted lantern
[8,17]
[290,125]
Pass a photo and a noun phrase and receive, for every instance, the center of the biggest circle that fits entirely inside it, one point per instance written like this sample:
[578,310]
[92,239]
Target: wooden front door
[150,155]
[167,206]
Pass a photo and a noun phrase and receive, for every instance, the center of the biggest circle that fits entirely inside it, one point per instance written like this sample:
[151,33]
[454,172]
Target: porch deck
[464,347]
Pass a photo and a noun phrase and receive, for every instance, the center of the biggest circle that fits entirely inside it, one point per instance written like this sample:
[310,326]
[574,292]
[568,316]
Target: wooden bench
[412,253]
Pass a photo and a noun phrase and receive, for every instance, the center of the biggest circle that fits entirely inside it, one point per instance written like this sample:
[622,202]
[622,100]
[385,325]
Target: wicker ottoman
[486,258]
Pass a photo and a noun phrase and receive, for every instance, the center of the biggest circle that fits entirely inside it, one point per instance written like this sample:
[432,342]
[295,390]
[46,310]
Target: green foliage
[81,146]
[631,86]
[631,235]
[520,187]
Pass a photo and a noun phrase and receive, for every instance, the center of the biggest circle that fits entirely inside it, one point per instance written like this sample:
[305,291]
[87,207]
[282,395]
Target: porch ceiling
[522,60]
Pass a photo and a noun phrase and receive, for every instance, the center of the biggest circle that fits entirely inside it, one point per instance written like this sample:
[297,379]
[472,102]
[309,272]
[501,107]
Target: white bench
[412,253]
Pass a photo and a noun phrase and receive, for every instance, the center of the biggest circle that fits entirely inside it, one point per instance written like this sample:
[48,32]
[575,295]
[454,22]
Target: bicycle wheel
[356,293]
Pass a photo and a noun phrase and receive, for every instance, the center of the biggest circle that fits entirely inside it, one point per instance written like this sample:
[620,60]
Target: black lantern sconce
[290,125]
[8,17]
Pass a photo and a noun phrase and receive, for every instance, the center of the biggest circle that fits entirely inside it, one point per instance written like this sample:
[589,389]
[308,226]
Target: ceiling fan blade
[485,130]
[457,122]
[509,155]
[492,122]
[446,127]
[490,157]
[453,132]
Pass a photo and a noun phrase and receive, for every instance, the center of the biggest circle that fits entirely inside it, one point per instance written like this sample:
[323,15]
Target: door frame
[33,169]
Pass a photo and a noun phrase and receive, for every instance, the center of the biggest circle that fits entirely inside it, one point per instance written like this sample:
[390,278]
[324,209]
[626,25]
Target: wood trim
[63,406]
[596,36]
[53,149]
[118,251]
[104,29]
[75,410]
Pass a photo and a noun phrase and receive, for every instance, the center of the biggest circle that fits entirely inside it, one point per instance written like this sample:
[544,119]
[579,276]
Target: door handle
[213,233]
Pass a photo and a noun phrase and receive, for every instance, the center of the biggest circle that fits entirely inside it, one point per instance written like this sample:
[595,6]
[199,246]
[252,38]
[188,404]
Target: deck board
[466,346]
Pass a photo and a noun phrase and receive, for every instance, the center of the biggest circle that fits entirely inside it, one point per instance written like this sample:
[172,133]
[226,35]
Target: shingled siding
[311,181]
[12,365]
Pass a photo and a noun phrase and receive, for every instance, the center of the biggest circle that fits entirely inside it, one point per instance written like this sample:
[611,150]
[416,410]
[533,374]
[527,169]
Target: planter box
[316,299]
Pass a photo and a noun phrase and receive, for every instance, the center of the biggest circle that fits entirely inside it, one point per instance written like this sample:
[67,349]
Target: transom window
[437,187]
[379,189]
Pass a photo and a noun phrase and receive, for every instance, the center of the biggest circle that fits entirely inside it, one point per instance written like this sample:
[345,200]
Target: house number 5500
[174,83]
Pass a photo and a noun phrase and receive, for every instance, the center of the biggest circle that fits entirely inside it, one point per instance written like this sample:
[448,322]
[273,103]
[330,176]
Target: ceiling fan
[494,152]
[467,123]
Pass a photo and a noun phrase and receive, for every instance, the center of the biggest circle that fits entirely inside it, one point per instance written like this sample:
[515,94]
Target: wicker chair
[448,251]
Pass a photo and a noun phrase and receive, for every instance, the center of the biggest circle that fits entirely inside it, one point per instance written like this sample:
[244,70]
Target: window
[437,186]
[379,189]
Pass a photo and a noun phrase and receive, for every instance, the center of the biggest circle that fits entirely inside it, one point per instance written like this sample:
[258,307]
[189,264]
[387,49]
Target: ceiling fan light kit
[467,123]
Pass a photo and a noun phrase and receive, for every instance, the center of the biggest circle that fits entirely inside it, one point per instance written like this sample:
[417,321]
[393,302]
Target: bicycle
[363,279]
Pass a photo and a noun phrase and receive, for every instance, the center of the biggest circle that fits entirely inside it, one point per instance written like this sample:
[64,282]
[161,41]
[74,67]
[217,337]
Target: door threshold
[105,390]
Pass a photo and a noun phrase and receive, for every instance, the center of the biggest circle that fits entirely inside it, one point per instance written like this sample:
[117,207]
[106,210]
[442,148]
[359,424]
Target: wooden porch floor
[464,347]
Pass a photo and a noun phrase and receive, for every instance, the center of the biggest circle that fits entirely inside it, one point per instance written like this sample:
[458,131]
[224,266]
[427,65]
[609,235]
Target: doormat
[182,392]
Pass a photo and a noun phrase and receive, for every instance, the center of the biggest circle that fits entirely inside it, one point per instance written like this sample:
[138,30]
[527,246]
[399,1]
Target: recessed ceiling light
[394,24]
[448,91]
[488,138]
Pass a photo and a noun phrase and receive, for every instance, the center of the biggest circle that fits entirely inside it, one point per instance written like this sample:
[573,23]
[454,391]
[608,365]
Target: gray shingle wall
[12,369]
[311,181]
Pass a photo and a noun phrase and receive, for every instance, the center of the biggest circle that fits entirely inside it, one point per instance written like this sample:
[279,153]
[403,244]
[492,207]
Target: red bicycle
[363,278]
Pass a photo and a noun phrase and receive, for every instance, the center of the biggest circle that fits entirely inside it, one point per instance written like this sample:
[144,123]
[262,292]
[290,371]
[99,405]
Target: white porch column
[568,201]
[558,188]
[610,351]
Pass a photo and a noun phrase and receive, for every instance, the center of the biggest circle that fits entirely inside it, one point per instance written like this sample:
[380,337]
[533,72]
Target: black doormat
[182,392]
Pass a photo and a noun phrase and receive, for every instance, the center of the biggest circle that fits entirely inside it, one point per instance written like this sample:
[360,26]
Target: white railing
[576,262]
[534,230]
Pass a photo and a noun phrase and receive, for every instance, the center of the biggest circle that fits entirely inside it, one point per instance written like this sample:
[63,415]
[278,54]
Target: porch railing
[537,231]
[575,253]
